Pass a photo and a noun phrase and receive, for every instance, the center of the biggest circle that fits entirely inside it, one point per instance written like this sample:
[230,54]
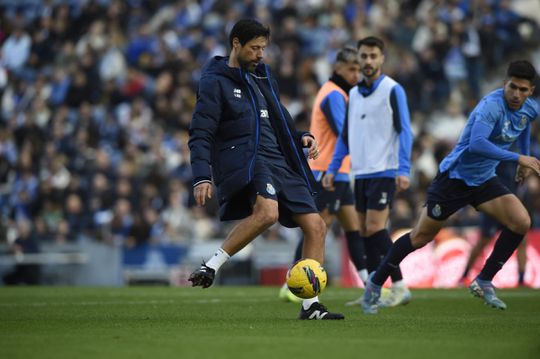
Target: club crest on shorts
[384,198]
[270,189]
[436,211]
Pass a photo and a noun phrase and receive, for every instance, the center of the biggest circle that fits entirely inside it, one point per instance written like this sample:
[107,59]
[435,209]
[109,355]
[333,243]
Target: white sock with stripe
[218,259]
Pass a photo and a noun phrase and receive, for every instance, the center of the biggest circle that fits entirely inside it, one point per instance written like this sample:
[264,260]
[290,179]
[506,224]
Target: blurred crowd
[97,97]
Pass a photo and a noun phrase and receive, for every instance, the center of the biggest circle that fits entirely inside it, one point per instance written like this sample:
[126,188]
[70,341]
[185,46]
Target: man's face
[350,72]
[516,91]
[371,59]
[252,53]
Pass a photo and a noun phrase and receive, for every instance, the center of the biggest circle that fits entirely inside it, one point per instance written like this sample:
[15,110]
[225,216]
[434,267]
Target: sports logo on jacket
[523,122]
[270,189]
[237,93]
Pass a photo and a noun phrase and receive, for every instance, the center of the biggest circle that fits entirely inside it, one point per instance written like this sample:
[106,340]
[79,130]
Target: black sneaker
[317,311]
[203,276]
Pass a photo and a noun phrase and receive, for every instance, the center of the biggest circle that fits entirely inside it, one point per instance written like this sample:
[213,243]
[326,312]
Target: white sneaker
[398,296]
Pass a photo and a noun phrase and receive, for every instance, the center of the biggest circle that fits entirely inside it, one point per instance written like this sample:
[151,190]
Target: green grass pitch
[251,322]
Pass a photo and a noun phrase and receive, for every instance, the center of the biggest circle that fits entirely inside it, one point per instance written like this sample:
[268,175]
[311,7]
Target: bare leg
[265,213]
[348,218]
[314,230]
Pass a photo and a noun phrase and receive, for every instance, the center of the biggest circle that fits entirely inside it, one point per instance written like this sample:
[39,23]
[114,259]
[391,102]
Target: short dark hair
[248,29]
[371,41]
[521,69]
[347,55]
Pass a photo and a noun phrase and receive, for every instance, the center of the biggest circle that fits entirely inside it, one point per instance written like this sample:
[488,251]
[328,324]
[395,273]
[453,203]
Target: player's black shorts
[282,184]
[374,193]
[333,200]
[446,195]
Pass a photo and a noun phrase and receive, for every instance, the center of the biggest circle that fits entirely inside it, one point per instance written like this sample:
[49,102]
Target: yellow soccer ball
[306,278]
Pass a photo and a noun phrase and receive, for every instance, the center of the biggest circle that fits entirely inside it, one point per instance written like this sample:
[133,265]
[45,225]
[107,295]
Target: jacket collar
[365,89]
[220,65]
[340,81]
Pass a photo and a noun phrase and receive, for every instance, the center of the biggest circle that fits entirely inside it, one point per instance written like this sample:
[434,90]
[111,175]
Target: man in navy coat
[243,140]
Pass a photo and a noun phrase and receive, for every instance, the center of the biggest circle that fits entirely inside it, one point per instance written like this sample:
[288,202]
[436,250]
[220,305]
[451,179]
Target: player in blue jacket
[467,176]
[243,139]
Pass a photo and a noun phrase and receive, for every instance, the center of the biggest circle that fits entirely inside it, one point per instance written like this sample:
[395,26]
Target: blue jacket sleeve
[333,106]
[402,121]
[481,145]
[203,128]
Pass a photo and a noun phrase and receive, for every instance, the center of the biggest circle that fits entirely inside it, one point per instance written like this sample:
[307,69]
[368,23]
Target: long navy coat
[224,134]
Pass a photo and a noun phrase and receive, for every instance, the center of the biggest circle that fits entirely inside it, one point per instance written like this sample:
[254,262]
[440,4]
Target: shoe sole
[200,281]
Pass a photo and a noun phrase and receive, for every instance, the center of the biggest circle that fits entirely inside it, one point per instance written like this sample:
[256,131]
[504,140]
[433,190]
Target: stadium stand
[96,99]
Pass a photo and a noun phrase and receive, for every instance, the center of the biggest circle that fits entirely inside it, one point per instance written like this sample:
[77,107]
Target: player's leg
[522,261]
[348,219]
[376,221]
[513,216]
[265,214]
[488,228]
[380,194]
[373,257]
[284,292]
[424,232]
[361,198]
[314,229]
[296,203]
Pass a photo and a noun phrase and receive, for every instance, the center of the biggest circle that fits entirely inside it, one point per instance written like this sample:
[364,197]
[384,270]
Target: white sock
[399,284]
[218,259]
[306,303]
[363,275]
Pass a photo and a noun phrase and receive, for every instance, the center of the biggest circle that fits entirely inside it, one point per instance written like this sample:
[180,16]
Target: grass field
[250,322]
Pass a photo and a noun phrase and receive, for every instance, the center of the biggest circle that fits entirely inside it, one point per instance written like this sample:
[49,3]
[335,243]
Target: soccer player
[506,171]
[243,139]
[327,118]
[467,176]
[378,136]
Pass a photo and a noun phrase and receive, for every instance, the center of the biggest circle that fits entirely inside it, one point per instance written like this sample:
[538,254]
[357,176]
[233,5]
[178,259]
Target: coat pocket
[232,156]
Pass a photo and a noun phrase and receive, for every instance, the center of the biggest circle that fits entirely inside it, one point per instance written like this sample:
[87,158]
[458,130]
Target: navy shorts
[333,200]
[446,195]
[280,183]
[374,193]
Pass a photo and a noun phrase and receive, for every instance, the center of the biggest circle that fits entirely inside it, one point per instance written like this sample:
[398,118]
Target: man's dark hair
[248,29]
[521,69]
[347,55]
[371,41]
